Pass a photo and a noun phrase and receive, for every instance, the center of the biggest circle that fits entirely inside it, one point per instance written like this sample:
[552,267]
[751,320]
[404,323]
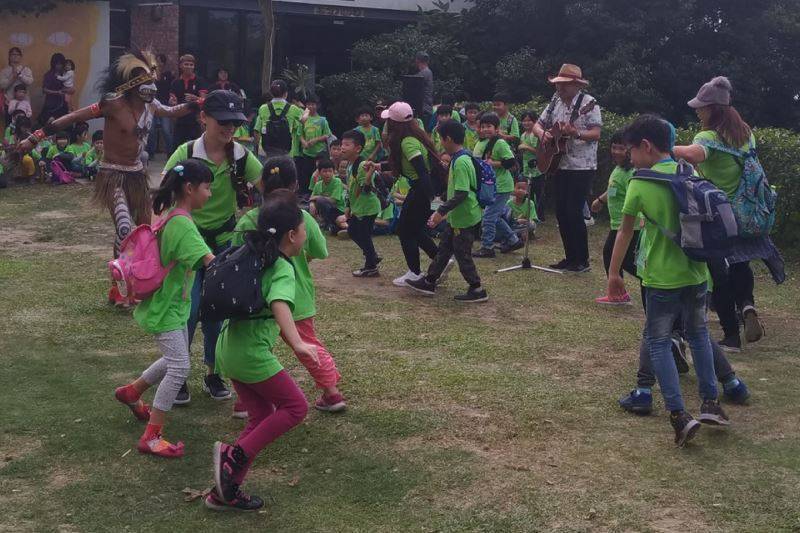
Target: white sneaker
[401,281]
[589,221]
[447,268]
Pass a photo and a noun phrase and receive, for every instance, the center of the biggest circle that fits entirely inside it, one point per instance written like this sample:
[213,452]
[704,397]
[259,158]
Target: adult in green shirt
[410,155]
[223,112]
[287,142]
[463,216]
[497,152]
[723,128]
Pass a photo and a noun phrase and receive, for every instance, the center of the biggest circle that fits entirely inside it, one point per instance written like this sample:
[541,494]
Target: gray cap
[717,91]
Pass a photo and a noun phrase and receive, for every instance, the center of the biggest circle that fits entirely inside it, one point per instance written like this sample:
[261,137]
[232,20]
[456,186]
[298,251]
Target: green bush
[344,93]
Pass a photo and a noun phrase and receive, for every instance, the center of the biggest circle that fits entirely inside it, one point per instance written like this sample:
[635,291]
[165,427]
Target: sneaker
[589,221]
[447,268]
[753,328]
[330,404]
[216,388]
[711,413]
[638,402]
[183,397]
[685,427]
[508,248]
[483,252]
[365,272]
[227,461]
[679,354]
[139,409]
[578,268]
[737,394]
[239,411]
[625,299]
[159,446]
[472,296]
[731,343]
[241,502]
[561,265]
[408,276]
[422,286]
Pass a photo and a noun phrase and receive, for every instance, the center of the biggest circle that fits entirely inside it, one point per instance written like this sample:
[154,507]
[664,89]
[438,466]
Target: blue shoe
[738,394]
[637,402]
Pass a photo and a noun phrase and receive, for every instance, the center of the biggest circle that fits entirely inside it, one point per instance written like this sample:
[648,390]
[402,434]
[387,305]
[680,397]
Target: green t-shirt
[510,126]
[244,348]
[222,204]
[372,136]
[522,210]
[617,188]
[462,178]
[78,149]
[471,137]
[529,168]
[401,186]
[721,169]
[315,126]
[315,247]
[53,150]
[411,148]
[362,204]
[500,152]
[8,135]
[292,116]
[437,140]
[663,265]
[242,132]
[91,157]
[168,308]
[334,190]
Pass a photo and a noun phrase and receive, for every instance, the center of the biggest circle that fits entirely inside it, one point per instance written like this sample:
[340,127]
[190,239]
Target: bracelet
[39,134]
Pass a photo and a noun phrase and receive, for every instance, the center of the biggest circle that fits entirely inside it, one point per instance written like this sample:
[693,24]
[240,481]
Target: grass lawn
[500,417]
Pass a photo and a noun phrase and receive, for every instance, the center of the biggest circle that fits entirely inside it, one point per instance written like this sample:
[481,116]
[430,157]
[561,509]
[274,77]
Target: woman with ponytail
[231,164]
[280,173]
[274,402]
[723,130]
[185,188]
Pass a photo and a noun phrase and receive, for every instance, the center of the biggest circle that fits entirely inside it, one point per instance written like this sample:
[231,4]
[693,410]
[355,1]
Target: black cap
[224,105]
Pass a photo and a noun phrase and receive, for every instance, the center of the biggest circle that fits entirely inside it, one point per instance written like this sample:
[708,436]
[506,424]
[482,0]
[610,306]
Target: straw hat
[569,73]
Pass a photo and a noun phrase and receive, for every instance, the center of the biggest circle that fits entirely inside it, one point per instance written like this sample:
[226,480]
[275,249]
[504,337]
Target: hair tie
[275,170]
[179,170]
[272,231]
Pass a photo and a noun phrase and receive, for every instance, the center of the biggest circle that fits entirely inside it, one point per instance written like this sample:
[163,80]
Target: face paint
[147,91]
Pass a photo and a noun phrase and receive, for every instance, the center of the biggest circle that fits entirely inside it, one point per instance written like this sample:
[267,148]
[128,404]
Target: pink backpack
[138,271]
[60,174]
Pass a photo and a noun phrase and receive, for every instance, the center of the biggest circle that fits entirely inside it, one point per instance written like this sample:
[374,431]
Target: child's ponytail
[192,171]
[278,216]
[279,172]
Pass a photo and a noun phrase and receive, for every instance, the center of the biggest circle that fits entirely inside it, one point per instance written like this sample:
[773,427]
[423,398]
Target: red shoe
[139,409]
[625,299]
[239,410]
[116,298]
[159,446]
[331,404]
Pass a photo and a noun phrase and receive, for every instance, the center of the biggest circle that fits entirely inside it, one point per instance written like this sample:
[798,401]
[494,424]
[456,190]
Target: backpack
[278,132]
[486,178]
[59,175]
[138,271]
[707,223]
[244,197]
[232,285]
[754,200]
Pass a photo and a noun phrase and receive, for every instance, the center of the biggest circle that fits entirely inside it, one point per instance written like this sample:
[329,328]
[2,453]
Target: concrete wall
[157,27]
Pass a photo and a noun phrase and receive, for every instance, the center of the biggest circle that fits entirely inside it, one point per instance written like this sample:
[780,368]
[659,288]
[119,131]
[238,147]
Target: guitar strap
[577,109]
[549,110]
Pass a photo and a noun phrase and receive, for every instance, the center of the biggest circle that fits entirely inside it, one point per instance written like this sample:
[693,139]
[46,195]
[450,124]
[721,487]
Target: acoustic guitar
[549,154]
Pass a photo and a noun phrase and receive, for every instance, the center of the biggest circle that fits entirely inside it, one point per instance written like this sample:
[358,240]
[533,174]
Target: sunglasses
[232,122]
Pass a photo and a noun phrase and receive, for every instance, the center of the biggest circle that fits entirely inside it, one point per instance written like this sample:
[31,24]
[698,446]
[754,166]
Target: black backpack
[278,131]
[243,198]
[232,286]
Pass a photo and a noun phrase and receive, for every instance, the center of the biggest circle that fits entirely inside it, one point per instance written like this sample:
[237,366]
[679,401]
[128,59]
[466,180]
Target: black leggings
[537,190]
[412,227]
[360,230]
[629,262]
[572,187]
[733,288]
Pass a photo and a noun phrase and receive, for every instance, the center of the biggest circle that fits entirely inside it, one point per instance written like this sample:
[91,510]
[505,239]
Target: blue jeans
[494,225]
[211,330]
[663,307]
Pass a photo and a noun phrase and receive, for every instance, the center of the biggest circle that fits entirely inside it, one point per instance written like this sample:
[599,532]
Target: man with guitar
[569,131]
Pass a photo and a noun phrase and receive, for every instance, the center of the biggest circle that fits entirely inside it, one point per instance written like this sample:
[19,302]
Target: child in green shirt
[521,210]
[443,114]
[372,135]
[95,155]
[166,312]
[471,125]
[509,125]
[463,216]
[674,285]
[327,202]
[314,133]
[528,146]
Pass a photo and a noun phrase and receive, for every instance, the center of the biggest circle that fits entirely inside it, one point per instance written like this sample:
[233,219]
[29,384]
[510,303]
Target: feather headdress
[129,70]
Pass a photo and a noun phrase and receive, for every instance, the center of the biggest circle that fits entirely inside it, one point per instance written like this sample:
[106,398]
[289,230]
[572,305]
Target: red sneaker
[127,395]
[331,404]
[159,446]
[116,298]
[625,299]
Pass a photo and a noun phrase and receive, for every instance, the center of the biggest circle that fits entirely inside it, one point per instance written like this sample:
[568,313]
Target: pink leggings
[274,406]
[325,374]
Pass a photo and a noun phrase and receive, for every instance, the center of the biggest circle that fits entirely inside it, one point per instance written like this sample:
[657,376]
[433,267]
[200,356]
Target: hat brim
[694,103]
[221,116]
[385,114]
[561,79]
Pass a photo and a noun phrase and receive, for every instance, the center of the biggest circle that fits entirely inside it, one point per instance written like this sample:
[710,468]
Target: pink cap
[399,112]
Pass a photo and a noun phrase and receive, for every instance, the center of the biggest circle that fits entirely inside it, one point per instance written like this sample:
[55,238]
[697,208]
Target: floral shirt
[581,155]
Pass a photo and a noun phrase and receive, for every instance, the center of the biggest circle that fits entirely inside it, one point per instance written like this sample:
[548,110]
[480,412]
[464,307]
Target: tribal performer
[128,107]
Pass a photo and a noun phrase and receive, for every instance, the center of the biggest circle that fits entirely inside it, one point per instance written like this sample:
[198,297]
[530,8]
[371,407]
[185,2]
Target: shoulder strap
[549,109]
[487,152]
[160,223]
[271,110]
[285,110]
[577,109]
[189,149]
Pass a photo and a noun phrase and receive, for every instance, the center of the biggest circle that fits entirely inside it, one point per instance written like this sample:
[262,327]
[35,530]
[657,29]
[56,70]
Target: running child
[327,199]
[273,401]
[528,145]
[165,314]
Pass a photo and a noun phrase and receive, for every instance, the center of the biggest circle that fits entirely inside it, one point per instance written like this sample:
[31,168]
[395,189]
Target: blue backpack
[486,178]
[754,201]
[707,223]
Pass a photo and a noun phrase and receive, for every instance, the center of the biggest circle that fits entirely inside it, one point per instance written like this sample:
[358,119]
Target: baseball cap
[399,112]
[224,105]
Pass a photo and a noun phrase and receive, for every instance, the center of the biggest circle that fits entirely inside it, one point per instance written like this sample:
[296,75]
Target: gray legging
[171,370]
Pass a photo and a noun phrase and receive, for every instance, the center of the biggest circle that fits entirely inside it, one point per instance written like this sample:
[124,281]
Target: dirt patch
[61,477]
[14,447]
[54,215]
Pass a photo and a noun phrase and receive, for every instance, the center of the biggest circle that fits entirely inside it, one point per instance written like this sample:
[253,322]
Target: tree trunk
[268,14]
